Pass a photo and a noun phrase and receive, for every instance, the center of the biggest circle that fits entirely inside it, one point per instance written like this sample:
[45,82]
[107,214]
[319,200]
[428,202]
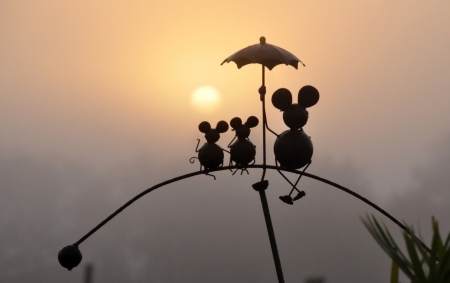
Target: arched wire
[309,175]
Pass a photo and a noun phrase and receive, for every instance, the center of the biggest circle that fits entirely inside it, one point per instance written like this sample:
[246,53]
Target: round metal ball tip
[262,40]
[69,257]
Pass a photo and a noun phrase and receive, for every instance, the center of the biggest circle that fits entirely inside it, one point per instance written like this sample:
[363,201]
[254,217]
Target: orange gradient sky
[95,107]
[104,81]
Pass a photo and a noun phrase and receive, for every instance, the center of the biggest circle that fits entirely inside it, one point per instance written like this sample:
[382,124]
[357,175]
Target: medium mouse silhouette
[242,151]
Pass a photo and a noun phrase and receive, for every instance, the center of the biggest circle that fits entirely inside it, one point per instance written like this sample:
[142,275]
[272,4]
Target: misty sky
[94,108]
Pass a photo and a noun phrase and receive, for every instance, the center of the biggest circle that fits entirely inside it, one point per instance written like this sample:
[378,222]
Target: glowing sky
[77,73]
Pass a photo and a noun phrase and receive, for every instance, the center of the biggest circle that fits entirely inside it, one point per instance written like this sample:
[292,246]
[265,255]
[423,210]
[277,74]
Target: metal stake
[263,184]
[261,188]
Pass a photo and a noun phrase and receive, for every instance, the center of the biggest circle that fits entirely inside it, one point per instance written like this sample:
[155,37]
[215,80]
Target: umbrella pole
[262,93]
[262,186]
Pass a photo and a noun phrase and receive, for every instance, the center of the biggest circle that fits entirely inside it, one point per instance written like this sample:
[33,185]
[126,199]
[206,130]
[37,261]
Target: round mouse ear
[204,127]
[222,127]
[236,122]
[252,122]
[308,96]
[282,99]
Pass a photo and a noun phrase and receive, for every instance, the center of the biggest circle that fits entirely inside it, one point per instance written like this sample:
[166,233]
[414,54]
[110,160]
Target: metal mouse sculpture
[242,151]
[210,154]
[293,148]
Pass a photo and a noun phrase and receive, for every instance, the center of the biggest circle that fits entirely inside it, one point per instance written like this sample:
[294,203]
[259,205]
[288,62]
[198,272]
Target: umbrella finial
[262,40]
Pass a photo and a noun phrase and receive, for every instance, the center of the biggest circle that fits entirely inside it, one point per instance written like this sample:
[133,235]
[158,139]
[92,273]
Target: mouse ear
[222,127]
[308,96]
[252,122]
[236,122]
[204,127]
[282,99]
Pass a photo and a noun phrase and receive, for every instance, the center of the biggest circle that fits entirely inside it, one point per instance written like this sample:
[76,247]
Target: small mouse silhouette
[210,154]
[242,151]
[293,148]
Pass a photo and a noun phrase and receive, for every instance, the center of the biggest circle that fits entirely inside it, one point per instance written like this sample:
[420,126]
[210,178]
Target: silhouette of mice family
[293,148]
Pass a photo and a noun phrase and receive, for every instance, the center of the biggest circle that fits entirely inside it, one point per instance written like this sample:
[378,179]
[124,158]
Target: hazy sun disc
[205,98]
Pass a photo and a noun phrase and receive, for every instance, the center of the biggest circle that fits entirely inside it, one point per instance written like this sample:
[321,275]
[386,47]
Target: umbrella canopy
[263,53]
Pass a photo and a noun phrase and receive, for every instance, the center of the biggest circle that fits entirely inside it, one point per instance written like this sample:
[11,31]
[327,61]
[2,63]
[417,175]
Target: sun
[205,98]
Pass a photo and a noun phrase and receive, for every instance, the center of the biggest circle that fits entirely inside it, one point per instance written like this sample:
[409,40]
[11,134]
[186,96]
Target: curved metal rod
[309,175]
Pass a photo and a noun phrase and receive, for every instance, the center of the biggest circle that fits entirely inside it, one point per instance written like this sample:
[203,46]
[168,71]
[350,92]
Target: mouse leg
[207,174]
[300,193]
[230,164]
[287,198]
[244,169]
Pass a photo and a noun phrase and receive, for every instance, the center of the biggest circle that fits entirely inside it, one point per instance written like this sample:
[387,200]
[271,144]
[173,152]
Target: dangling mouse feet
[287,199]
[299,195]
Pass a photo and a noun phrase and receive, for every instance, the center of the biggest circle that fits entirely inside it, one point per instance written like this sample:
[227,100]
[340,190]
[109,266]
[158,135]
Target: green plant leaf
[394,272]
[421,265]
[417,265]
[387,243]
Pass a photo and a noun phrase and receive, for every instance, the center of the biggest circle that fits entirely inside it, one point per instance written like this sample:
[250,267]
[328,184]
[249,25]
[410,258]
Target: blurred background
[96,106]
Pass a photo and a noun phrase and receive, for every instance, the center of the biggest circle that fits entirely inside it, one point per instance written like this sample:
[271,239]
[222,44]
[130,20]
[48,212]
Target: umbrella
[269,56]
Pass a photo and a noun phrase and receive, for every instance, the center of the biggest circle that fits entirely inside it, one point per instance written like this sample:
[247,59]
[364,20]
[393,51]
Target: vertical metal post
[261,188]
[263,184]
[273,242]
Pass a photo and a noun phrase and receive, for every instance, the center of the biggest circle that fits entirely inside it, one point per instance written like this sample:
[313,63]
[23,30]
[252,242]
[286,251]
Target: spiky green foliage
[418,264]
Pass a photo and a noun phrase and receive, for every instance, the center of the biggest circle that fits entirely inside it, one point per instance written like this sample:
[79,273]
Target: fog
[199,230]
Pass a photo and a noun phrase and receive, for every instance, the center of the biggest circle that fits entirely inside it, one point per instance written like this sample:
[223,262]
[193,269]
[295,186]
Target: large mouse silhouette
[293,148]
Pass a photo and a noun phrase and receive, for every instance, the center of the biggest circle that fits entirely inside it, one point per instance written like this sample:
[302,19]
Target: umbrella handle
[262,94]
[262,89]
[263,78]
